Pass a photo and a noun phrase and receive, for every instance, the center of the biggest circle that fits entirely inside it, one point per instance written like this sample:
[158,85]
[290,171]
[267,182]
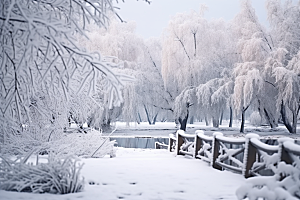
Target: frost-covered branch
[40,55]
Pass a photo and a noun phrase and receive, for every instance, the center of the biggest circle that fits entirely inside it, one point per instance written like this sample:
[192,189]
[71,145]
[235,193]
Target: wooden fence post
[198,145]
[250,159]
[215,151]
[249,155]
[170,144]
[284,155]
[180,142]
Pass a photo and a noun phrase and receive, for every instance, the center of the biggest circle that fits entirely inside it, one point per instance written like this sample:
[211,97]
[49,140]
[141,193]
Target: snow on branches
[210,99]
[39,53]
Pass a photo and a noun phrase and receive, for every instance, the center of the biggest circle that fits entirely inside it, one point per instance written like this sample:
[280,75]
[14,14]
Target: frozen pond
[139,141]
[144,132]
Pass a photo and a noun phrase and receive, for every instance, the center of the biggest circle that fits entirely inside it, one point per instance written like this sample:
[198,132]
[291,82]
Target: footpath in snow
[147,174]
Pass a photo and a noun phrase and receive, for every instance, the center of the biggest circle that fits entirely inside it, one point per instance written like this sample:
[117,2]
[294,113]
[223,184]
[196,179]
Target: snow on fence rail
[248,156]
[159,145]
[185,143]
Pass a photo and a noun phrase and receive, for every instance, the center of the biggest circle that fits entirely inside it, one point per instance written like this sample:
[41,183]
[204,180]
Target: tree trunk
[154,119]
[90,120]
[215,122]
[183,122]
[106,126]
[195,44]
[230,117]
[177,122]
[147,114]
[2,138]
[291,127]
[270,119]
[192,120]
[221,117]
[243,121]
[137,121]
[294,122]
[139,115]
[206,121]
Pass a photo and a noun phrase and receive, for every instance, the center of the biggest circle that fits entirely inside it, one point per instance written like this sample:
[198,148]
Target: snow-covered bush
[78,144]
[255,119]
[284,185]
[83,145]
[59,175]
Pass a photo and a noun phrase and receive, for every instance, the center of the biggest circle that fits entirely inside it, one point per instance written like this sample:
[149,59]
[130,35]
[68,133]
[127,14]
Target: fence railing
[184,143]
[248,156]
[159,145]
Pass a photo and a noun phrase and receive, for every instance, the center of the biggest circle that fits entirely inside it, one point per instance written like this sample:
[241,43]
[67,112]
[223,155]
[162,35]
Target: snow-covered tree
[246,90]
[253,47]
[195,51]
[153,98]
[266,75]
[213,97]
[223,97]
[120,44]
[183,102]
[39,54]
[283,62]
[145,97]
[283,17]
[287,82]
[182,51]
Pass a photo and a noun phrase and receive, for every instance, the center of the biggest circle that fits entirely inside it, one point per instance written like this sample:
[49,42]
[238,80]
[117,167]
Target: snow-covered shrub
[78,144]
[273,187]
[255,119]
[26,141]
[20,144]
[283,185]
[83,145]
[59,175]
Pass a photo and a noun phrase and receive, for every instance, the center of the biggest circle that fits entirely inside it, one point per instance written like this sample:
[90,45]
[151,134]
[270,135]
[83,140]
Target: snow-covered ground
[146,174]
[154,174]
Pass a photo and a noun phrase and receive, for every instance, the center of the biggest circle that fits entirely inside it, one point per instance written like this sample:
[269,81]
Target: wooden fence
[247,156]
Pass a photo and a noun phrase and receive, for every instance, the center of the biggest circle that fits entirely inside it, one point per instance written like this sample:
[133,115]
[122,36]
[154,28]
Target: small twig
[103,142]
[5,160]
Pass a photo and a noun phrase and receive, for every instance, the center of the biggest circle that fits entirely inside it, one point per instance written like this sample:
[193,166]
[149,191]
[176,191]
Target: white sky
[152,19]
